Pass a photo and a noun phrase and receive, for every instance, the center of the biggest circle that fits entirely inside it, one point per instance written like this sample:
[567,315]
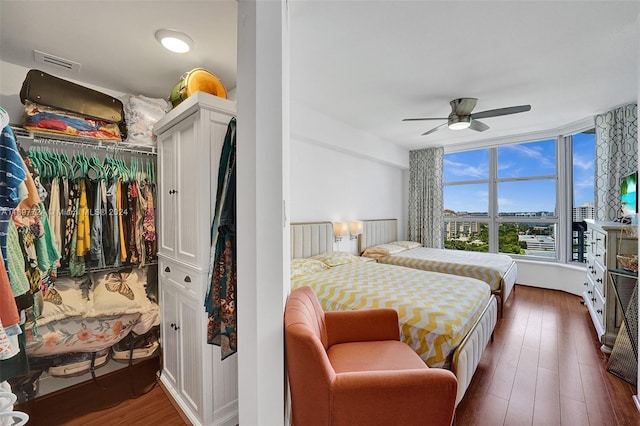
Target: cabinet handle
[590,292]
[187,279]
[598,255]
[585,283]
[173,191]
[167,269]
[173,325]
[593,299]
[599,280]
[599,311]
[177,328]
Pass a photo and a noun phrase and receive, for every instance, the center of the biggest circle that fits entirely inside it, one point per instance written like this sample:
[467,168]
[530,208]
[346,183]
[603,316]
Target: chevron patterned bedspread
[488,267]
[435,310]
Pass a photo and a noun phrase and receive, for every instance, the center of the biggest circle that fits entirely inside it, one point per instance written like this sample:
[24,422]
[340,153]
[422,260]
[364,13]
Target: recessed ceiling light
[175,41]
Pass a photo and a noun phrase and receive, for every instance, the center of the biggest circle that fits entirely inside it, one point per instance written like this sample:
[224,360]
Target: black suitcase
[51,91]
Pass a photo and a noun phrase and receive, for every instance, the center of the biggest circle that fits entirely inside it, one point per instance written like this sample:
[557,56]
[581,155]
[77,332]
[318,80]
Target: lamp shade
[339,229]
[355,227]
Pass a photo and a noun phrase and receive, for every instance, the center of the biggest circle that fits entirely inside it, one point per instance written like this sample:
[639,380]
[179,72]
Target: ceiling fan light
[174,41]
[459,123]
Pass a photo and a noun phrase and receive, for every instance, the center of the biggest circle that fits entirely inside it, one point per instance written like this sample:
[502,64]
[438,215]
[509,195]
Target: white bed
[435,326]
[497,270]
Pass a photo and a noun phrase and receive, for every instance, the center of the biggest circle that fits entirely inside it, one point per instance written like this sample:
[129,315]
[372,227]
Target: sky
[533,159]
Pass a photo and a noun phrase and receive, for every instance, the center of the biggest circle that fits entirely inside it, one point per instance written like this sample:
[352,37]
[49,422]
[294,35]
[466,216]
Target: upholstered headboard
[311,238]
[378,231]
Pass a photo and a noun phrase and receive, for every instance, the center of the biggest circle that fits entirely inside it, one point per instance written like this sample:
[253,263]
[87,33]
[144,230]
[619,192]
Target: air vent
[55,61]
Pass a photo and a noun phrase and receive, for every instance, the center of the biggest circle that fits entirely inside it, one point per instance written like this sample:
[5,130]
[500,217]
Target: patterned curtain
[425,196]
[616,156]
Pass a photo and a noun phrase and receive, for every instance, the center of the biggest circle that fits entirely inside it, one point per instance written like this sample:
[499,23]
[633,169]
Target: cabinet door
[168,305]
[166,194]
[192,210]
[192,337]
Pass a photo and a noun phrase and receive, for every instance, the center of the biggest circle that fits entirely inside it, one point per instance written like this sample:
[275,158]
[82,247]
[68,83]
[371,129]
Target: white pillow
[382,250]
[407,244]
[63,300]
[119,292]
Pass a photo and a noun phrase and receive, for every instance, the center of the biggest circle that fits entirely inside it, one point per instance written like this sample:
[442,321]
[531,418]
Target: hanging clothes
[54,213]
[12,174]
[8,309]
[96,250]
[83,240]
[220,302]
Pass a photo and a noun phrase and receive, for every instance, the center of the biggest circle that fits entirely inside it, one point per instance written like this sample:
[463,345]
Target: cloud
[466,170]
[583,163]
[534,153]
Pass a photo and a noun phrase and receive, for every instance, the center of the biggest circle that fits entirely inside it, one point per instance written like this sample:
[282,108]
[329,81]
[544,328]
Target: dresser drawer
[600,247]
[185,279]
[599,277]
[598,305]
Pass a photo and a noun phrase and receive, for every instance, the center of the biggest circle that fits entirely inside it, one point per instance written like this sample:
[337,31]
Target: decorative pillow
[337,258]
[407,244]
[119,292]
[306,266]
[63,300]
[382,250]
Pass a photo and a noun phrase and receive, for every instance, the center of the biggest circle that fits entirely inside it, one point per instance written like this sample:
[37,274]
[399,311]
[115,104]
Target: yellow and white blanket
[435,310]
[491,268]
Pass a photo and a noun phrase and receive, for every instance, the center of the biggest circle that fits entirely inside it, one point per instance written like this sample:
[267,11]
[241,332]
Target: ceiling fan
[462,118]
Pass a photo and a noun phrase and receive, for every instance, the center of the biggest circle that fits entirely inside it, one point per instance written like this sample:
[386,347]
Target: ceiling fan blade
[463,106]
[422,119]
[501,111]
[433,130]
[478,126]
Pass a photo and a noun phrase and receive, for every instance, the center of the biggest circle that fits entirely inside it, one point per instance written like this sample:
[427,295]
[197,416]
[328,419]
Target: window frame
[563,218]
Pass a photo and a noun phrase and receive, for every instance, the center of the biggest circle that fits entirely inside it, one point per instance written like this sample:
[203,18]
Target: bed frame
[381,231]
[312,238]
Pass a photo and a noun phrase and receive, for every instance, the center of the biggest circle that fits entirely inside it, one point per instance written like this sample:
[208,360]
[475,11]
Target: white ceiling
[367,63]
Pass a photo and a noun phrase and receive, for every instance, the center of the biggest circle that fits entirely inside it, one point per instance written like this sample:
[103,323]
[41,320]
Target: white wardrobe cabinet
[190,139]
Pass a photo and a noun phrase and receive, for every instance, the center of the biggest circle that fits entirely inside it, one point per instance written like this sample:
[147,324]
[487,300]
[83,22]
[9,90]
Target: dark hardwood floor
[545,367]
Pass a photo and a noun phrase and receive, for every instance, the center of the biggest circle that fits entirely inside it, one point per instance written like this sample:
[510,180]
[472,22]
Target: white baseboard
[636,401]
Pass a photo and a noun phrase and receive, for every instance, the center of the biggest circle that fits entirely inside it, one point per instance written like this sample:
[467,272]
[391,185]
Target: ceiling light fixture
[175,41]
[459,122]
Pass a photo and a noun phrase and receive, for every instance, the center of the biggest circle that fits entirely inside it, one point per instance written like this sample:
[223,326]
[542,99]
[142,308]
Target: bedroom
[347,197]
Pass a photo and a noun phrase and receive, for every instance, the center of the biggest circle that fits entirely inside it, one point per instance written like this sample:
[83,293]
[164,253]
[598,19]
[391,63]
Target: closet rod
[41,139]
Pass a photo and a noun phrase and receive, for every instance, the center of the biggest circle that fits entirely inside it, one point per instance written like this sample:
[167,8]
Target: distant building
[538,242]
[460,230]
[585,211]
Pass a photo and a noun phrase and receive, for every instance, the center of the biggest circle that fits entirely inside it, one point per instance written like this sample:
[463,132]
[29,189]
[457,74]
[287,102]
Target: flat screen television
[629,194]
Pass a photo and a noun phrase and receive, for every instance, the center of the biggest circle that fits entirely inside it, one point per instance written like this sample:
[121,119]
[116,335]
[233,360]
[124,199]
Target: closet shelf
[64,272]
[48,138]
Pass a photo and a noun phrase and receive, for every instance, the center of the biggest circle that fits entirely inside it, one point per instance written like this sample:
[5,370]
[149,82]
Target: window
[466,200]
[583,147]
[510,198]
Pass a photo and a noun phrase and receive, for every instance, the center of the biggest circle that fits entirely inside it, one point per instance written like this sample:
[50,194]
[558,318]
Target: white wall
[553,276]
[342,174]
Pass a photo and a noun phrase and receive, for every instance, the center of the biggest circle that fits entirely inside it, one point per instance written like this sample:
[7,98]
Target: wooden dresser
[604,241]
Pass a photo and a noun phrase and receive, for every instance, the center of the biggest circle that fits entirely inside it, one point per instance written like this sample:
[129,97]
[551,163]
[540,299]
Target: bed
[81,322]
[448,320]
[497,270]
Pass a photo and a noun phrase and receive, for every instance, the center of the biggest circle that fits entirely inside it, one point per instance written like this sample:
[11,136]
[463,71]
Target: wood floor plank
[562,381]
[521,401]
[547,400]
